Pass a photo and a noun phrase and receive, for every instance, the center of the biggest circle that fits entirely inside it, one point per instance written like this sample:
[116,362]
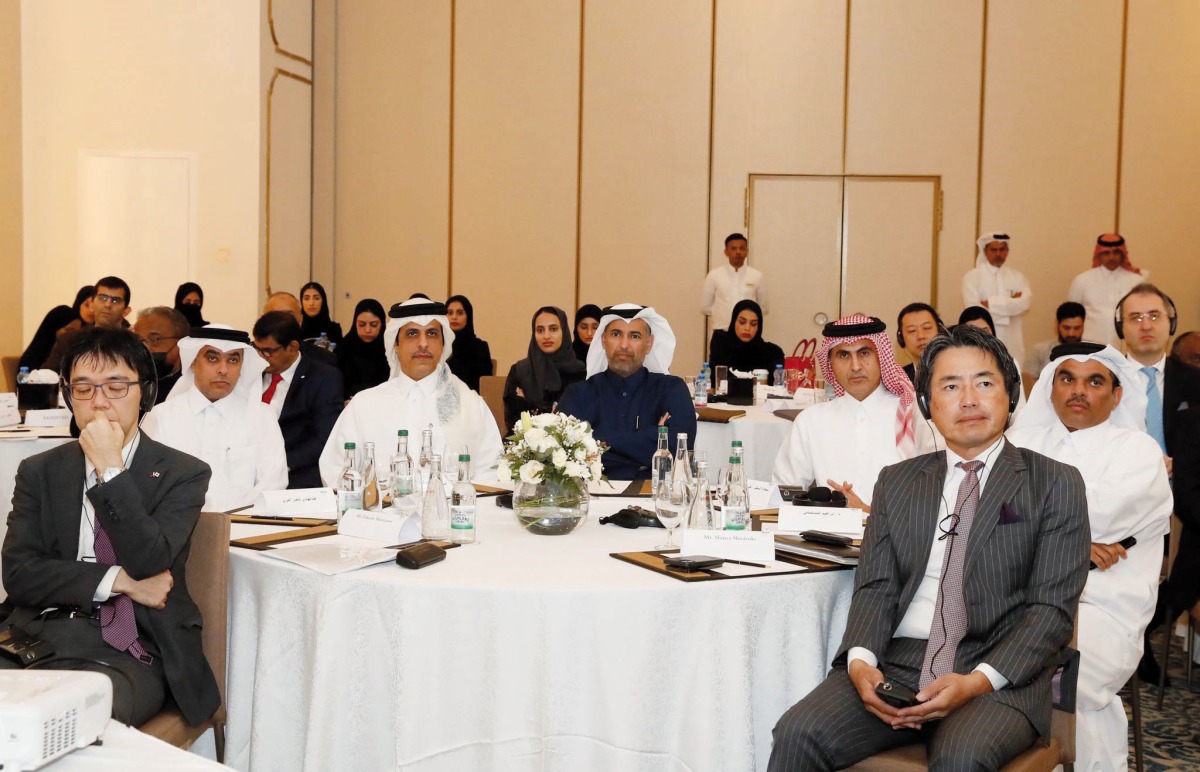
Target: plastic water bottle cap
[350,446]
[402,433]
[463,458]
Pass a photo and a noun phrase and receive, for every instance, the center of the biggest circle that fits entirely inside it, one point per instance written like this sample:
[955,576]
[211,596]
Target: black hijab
[971,313]
[190,312]
[38,349]
[313,326]
[363,364]
[540,372]
[750,354]
[586,311]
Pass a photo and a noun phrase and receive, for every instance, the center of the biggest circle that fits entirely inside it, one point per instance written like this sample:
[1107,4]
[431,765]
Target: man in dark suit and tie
[971,570]
[99,535]
[305,394]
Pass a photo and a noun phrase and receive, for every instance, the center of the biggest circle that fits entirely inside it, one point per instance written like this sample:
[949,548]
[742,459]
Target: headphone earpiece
[923,405]
[900,337]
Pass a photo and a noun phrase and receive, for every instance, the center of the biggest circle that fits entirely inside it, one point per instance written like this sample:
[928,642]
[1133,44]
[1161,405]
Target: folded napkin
[717,415]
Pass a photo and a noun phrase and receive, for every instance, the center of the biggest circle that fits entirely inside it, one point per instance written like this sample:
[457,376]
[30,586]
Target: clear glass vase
[551,507]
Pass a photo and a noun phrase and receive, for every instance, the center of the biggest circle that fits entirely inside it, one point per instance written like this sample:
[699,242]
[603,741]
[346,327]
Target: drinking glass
[670,504]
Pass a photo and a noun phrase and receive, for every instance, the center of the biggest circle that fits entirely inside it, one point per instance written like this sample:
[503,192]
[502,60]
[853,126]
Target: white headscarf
[1130,414]
[420,311]
[661,353]
[249,385]
[983,241]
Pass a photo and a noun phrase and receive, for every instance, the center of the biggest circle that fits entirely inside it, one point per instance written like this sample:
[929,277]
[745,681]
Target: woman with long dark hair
[471,358]
[74,316]
[314,306]
[361,356]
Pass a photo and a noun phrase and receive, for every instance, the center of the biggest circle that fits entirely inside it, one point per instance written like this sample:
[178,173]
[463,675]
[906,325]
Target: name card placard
[752,546]
[843,521]
[299,502]
[9,415]
[387,526]
[763,495]
[56,417]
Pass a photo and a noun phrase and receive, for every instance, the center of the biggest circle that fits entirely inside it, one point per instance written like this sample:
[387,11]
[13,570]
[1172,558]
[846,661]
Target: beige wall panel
[1050,142]
[645,161]
[393,149]
[289,246]
[914,110]
[778,91]
[516,119]
[291,24]
[1160,185]
[324,129]
[140,75]
[12,337]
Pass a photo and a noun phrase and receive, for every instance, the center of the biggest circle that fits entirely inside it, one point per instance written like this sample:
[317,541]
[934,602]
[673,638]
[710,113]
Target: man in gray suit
[972,565]
[99,535]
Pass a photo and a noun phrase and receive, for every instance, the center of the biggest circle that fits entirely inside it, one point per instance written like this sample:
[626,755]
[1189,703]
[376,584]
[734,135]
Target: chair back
[9,365]
[491,388]
[208,583]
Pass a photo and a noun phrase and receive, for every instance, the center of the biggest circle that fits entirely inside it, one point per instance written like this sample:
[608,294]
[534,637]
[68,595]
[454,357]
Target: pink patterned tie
[950,617]
[118,626]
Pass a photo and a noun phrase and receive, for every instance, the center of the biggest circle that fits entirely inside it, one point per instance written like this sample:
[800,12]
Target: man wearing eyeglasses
[306,396]
[98,538]
[161,328]
[110,306]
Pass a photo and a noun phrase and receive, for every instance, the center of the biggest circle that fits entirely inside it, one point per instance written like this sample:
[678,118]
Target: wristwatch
[110,473]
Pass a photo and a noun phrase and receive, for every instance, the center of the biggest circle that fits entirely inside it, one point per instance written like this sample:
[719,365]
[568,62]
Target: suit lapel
[1003,482]
[296,387]
[66,500]
[925,501]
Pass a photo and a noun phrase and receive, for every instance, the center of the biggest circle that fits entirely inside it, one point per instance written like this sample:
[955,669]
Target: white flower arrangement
[551,446]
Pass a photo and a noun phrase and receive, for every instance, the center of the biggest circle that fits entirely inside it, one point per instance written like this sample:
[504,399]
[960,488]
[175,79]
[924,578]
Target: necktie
[1154,408]
[118,626]
[950,617]
[269,394]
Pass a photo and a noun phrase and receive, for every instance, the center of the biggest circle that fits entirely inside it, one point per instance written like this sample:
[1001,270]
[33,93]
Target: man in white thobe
[1001,289]
[1080,413]
[421,393]
[845,442]
[725,285]
[1099,289]
[215,413]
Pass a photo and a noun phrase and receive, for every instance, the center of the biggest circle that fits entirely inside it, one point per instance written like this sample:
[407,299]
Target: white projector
[45,714]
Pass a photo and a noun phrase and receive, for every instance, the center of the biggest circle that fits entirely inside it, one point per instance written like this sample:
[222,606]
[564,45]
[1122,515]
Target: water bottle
[435,517]
[405,498]
[682,472]
[701,397]
[702,515]
[23,376]
[425,459]
[370,484]
[350,492]
[707,373]
[736,499]
[777,378]
[462,504]
[660,462]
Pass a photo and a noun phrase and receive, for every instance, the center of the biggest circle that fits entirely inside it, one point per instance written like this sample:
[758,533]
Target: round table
[520,652]
[762,435]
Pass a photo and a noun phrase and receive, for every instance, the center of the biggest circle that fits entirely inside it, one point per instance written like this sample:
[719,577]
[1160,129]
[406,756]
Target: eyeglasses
[266,352]
[153,339]
[1153,316]
[111,300]
[111,389]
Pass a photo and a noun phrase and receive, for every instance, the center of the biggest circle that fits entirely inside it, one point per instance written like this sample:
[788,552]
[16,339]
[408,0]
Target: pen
[746,563]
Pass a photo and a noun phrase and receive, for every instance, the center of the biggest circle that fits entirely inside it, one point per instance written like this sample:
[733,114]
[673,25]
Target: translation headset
[1119,312]
[1012,383]
[936,320]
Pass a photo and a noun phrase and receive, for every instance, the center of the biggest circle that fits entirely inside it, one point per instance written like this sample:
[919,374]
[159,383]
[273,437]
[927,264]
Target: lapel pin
[156,474]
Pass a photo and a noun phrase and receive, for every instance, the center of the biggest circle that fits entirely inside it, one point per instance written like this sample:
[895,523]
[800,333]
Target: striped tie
[950,618]
[1154,408]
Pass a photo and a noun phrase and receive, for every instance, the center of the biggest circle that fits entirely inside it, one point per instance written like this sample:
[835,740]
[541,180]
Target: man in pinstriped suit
[976,634]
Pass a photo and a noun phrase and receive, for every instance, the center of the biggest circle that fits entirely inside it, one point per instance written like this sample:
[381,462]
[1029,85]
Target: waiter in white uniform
[725,285]
[1002,290]
[1099,289]
[421,393]
[215,413]
[1081,412]
[844,443]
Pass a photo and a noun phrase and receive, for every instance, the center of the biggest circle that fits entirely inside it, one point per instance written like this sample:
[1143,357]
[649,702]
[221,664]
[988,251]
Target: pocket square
[1008,515]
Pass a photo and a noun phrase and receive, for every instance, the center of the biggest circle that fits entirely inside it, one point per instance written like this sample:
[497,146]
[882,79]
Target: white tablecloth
[762,435]
[127,749]
[520,652]
[15,448]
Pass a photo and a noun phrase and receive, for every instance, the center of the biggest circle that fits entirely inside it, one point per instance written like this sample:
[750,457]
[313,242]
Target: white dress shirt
[1160,373]
[239,439]
[724,287]
[998,286]
[1099,289]
[281,391]
[376,414]
[843,440]
[918,618]
[87,521]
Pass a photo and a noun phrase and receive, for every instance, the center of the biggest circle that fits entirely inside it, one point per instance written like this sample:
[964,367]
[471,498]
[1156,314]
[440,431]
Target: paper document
[333,555]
